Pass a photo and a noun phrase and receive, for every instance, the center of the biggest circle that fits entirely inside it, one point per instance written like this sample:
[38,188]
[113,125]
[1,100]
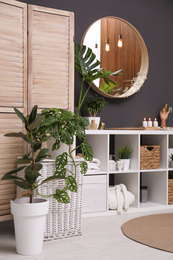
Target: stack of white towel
[93,166]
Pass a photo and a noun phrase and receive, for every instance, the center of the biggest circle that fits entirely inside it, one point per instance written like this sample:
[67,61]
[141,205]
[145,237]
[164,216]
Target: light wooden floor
[102,239]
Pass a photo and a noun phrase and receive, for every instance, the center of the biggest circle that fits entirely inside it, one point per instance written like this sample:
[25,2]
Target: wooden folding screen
[50,58]
[37,67]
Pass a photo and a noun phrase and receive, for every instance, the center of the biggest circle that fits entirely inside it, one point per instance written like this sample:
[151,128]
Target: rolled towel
[95,161]
[96,168]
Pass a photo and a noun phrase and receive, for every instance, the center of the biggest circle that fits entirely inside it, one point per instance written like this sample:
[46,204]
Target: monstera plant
[87,65]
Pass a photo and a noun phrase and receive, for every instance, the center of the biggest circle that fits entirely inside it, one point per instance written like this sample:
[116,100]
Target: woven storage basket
[170,191]
[149,157]
[63,220]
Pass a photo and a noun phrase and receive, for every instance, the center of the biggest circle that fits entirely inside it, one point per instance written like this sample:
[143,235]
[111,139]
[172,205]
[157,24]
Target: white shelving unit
[155,179]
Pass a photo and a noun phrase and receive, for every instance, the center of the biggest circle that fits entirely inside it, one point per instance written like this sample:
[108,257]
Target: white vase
[126,164]
[63,148]
[97,121]
[29,224]
[171,164]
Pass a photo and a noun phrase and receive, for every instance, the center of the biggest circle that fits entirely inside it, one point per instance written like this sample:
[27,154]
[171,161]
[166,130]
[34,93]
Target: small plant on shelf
[124,152]
[93,106]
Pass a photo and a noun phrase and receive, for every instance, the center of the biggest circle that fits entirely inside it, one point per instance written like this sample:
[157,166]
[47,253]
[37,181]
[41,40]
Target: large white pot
[63,148]
[97,121]
[29,224]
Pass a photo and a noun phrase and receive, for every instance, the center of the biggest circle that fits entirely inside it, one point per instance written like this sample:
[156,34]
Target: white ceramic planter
[97,121]
[63,148]
[126,164]
[29,224]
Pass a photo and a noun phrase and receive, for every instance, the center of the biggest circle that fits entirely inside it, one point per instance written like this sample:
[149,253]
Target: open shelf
[107,142]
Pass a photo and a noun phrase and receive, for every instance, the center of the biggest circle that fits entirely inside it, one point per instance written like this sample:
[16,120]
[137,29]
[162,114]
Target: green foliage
[95,105]
[124,152]
[171,156]
[63,126]
[87,65]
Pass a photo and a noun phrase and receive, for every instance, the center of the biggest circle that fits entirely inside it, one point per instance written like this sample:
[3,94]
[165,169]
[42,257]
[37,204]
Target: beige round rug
[154,230]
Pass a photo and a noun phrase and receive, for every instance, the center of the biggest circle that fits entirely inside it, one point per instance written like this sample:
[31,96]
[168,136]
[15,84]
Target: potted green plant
[29,212]
[87,65]
[93,106]
[171,160]
[60,128]
[123,155]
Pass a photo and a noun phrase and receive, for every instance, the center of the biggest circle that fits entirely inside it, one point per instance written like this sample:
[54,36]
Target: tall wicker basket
[63,220]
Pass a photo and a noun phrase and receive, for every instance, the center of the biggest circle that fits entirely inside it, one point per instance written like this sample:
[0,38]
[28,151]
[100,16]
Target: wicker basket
[63,220]
[149,157]
[170,191]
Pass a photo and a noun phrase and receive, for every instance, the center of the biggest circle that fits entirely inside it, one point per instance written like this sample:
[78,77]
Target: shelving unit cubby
[106,143]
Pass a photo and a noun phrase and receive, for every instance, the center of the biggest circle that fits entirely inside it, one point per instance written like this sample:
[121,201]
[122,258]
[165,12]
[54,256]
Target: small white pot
[120,165]
[126,164]
[29,224]
[63,148]
[171,164]
[97,121]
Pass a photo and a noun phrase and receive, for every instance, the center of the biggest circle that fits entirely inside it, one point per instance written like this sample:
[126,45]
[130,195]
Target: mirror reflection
[118,45]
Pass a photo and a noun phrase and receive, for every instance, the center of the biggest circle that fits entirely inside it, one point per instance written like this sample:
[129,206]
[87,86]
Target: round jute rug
[154,230]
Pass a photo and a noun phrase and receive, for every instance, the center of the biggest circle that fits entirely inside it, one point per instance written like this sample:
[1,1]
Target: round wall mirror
[118,45]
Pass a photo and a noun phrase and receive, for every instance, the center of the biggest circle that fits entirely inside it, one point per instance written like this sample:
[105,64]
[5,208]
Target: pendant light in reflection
[120,40]
[107,46]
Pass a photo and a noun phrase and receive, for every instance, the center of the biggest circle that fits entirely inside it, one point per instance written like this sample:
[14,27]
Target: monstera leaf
[87,65]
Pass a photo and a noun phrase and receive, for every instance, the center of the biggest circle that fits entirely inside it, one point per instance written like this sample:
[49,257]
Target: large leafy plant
[87,65]
[38,130]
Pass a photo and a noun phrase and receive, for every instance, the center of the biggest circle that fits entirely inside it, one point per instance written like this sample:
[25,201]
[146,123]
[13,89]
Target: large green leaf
[21,116]
[31,175]
[61,160]
[87,151]
[22,184]
[52,178]
[71,183]
[33,114]
[15,135]
[35,123]
[87,65]
[61,196]
[23,161]
[84,167]
[61,172]
[42,154]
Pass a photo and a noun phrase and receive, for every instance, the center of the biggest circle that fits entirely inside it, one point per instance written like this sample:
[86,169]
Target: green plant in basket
[124,152]
[40,127]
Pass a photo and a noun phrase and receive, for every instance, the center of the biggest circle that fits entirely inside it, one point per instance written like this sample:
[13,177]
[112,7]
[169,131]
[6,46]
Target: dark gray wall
[154,20]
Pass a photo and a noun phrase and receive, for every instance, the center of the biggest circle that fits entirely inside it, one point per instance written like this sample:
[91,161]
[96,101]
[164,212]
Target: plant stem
[81,101]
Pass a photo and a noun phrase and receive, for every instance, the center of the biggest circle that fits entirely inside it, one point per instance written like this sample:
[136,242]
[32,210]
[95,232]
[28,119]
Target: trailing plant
[93,106]
[124,152]
[38,130]
[87,65]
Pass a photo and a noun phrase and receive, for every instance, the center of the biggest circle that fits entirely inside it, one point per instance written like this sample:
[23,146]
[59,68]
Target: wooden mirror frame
[137,82]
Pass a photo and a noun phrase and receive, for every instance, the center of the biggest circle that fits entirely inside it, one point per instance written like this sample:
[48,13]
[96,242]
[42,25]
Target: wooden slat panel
[51,83]
[6,217]
[13,70]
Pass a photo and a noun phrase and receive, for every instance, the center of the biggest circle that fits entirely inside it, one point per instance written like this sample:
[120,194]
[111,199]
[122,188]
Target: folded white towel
[95,161]
[91,167]
[92,171]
